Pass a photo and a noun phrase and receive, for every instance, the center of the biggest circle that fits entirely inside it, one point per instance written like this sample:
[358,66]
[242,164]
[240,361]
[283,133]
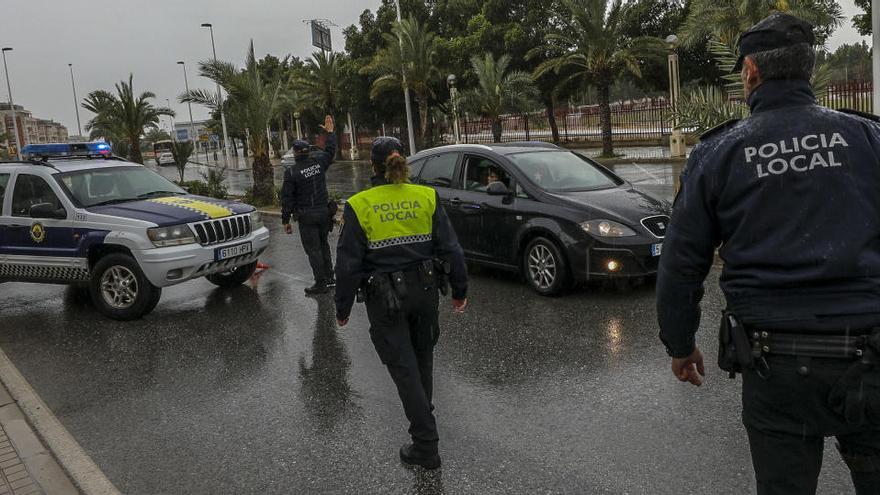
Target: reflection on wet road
[254,390]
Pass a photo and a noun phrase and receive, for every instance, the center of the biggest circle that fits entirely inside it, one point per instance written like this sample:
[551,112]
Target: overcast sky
[107,39]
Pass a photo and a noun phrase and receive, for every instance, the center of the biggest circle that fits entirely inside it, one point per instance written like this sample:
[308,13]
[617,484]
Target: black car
[554,215]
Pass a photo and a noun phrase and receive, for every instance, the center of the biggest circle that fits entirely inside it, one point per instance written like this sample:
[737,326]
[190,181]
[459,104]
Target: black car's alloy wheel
[544,267]
[234,277]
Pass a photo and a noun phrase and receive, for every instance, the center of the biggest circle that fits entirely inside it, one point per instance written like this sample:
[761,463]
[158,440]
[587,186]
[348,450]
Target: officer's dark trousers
[405,344]
[314,227]
[787,418]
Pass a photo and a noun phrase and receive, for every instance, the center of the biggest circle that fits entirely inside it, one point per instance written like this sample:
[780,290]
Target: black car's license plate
[656,249]
[233,251]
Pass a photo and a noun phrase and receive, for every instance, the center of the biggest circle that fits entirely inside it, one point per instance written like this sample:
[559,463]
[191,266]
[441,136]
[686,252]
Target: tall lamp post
[875,33]
[192,127]
[409,122]
[677,145]
[170,118]
[453,95]
[220,97]
[11,103]
[299,134]
[79,131]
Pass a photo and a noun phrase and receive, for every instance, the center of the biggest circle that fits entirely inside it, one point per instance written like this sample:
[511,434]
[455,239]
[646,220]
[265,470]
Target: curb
[73,467]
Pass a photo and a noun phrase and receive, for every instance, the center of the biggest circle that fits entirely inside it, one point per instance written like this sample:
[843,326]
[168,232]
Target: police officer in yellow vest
[398,247]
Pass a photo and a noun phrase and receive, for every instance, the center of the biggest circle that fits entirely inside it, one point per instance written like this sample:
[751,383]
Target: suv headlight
[176,235]
[607,228]
[256,220]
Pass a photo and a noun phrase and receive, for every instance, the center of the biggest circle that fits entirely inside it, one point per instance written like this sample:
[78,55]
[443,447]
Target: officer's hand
[342,323]
[328,124]
[458,305]
[288,228]
[689,369]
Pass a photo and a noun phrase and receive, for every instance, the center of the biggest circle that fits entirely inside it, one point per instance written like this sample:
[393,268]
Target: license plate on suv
[656,249]
[233,251]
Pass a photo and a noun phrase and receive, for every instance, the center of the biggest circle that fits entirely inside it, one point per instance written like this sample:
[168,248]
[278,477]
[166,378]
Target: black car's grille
[656,225]
[223,230]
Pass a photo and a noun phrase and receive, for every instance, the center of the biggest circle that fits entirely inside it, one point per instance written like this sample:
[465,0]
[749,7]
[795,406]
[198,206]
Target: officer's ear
[751,75]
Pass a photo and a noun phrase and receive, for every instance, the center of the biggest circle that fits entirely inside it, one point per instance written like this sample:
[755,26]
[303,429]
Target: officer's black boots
[318,288]
[413,456]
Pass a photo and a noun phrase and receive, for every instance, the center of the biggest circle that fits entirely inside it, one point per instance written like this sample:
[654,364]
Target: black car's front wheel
[544,267]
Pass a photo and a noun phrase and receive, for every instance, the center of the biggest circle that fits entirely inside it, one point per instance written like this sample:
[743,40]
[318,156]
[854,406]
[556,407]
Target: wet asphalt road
[254,390]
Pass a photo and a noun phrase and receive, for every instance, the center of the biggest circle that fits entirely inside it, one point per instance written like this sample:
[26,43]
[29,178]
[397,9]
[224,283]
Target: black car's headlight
[176,235]
[607,228]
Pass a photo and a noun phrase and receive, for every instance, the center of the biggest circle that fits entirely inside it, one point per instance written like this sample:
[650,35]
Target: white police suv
[72,214]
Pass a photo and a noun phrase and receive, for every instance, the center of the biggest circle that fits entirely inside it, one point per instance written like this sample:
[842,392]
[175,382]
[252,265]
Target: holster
[386,288]
[856,396]
[441,275]
[734,350]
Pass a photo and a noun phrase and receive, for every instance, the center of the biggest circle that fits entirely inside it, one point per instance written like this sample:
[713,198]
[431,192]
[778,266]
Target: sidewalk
[26,466]
[37,454]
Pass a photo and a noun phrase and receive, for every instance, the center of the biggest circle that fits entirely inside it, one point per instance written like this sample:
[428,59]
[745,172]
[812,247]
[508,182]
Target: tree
[862,22]
[122,118]
[182,151]
[499,90]
[724,20]
[155,135]
[848,62]
[255,102]
[592,45]
[410,53]
[321,83]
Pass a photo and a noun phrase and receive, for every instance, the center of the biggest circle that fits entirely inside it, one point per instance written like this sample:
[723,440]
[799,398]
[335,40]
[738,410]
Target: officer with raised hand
[398,247]
[304,197]
[790,194]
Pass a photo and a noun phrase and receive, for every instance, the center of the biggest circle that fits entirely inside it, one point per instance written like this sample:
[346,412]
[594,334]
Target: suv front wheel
[544,267]
[119,289]
[234,277]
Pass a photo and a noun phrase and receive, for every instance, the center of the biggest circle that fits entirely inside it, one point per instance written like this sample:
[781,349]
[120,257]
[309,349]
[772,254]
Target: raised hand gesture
[328,124]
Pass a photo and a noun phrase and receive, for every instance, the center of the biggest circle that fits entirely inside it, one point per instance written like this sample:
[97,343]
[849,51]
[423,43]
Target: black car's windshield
[562,171]
[101,186]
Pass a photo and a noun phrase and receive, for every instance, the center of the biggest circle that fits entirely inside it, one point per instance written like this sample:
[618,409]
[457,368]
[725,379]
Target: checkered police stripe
[399,241]
[13,271]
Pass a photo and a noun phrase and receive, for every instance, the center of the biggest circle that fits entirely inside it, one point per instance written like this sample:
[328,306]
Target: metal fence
[640,121]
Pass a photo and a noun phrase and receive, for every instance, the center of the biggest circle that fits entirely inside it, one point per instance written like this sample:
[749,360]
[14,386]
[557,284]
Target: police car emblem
[38,233]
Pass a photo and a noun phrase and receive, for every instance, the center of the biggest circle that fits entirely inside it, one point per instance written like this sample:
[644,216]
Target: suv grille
[222,230]
[656,225]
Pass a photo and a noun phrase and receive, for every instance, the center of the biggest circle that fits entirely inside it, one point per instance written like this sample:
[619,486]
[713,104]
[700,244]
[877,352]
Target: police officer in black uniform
[398,246]
[304,197]
[791,195]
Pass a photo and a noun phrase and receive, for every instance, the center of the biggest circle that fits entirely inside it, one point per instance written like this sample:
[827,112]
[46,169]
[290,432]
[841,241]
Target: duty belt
[820,346]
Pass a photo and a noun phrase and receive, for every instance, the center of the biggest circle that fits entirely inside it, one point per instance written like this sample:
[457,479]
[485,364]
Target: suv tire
[119,289]
[234,277]
[544,267]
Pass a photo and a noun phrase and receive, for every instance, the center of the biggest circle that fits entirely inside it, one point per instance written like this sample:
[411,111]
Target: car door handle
[471,206]
[455,201]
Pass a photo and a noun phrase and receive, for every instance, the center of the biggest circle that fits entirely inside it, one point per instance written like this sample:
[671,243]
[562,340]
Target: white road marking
[86,475]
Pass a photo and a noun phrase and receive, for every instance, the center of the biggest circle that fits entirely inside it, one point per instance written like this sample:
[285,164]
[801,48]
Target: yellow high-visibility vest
[395,214]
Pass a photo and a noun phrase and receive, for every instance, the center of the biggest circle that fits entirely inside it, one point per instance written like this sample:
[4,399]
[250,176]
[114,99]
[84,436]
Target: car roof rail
[30,161]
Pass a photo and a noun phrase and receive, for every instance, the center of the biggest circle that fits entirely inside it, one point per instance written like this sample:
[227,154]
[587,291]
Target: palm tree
[410,54]
[255,102]
[591,45]
[320,84]
[182,151]
[122,118]
[724,20]
[498,91]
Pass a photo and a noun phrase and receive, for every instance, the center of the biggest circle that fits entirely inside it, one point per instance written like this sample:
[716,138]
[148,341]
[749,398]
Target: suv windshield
[94,187]
[562,171]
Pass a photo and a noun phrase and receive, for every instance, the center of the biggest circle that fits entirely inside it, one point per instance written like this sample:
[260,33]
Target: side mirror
[47,210]
[497,189]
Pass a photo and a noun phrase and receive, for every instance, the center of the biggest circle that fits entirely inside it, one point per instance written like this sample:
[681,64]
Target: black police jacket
[305,184]
[355,262]
[791,195]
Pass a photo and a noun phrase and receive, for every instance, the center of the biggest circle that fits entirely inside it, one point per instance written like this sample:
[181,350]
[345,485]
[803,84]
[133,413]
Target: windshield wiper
[113,202]
[152,194]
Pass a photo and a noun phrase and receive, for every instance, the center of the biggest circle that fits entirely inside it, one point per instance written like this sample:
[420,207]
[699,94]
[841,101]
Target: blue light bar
[50,150]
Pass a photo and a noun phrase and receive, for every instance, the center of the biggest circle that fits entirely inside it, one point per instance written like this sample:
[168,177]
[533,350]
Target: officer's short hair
[788,62]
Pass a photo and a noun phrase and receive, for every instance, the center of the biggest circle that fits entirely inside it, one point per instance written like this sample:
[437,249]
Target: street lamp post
[299,134]
[677,145]
[192,127]
[170,118]
[79,131]
[409,122]
[220,97]
[11,103]
[453,95]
